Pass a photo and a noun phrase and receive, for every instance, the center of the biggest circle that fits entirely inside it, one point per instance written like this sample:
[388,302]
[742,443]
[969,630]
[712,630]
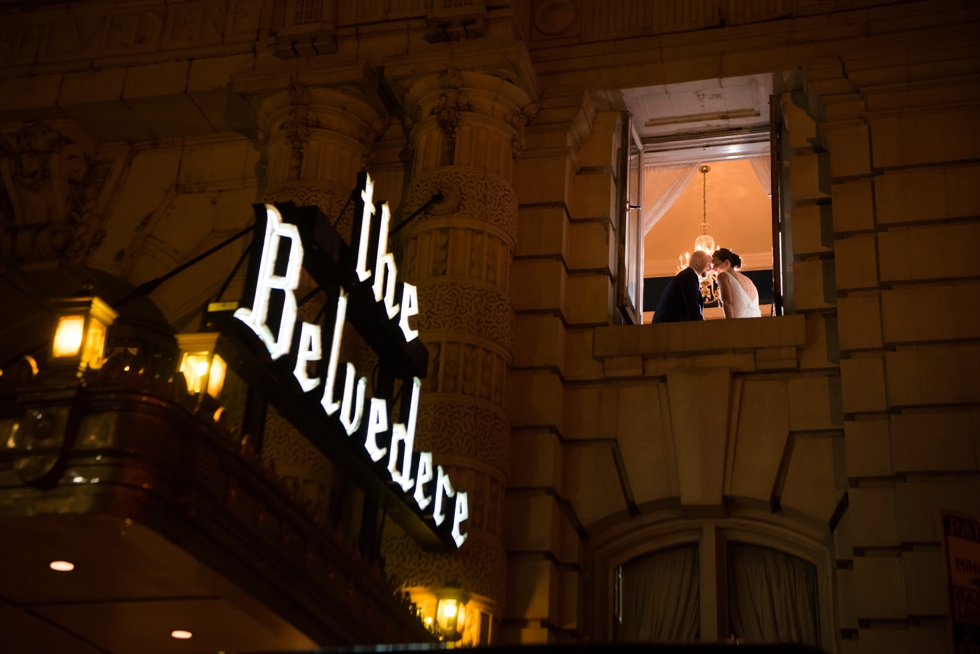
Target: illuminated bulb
[201,369]
[62,566]
[428,619]
[180,634]
[449,611]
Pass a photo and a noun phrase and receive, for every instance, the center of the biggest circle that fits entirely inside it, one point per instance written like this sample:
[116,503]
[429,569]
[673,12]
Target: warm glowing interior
[739,218]
[68,336]
[446,615]
[739,215]
[195,366]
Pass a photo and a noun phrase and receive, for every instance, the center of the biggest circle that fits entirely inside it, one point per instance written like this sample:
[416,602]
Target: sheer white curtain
[662,185]
[772,596]
[763,170]
[659,597]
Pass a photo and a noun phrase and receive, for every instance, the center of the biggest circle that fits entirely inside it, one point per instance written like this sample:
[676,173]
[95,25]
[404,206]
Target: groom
[682,298]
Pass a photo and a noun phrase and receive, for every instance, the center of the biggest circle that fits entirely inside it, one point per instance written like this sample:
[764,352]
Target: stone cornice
[357,77]
[510,62]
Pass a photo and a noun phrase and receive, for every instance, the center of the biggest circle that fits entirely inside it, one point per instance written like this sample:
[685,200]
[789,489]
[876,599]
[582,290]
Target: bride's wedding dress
[742,305]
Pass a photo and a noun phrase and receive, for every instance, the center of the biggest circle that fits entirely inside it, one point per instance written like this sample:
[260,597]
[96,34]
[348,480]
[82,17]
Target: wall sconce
[203,369]
[451,612]
[79,336]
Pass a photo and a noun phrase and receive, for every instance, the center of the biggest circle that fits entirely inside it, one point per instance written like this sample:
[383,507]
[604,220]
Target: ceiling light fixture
[704,243]
[180,634]
[62,566]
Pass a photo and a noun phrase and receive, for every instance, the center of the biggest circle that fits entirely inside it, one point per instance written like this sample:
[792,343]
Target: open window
[730,126]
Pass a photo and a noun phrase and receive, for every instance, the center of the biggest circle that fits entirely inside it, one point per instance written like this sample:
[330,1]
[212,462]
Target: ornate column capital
[467,118]
[453,90]
[510,62]
[317,129]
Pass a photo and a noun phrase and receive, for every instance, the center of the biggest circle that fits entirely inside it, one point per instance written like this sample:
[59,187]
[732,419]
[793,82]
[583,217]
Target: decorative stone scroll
[50,191]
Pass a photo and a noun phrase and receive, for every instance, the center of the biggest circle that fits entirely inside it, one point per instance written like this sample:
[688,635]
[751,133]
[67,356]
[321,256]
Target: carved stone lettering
[134,31]
[19,43]
[193,24]
[86,34]
[72,37]
[242,20]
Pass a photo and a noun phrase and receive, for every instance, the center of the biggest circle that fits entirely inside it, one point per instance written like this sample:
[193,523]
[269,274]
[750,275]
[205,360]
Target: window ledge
[769,343]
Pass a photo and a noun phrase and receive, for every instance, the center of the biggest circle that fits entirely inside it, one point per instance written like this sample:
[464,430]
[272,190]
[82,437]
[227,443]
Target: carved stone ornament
[306,30]
[448,110]
[51,189]
[518,121]
[483,198]
[299,125]
[555,17]
[452,20]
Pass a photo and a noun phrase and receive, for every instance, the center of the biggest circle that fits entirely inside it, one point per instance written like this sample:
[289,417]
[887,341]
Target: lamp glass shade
[80,333]
[196,366]
[94,344]
[68,337]
[447,613]
[216,378]
[203,369]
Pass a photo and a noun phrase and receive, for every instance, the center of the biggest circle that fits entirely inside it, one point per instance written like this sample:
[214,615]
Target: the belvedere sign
[365,291]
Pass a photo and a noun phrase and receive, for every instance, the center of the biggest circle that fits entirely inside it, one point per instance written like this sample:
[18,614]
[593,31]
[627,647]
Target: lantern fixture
[451,612]
[203,369]
[80,332]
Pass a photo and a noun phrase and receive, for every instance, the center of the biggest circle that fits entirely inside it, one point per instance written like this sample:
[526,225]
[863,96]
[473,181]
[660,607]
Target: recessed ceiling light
[180,634]
[62,566]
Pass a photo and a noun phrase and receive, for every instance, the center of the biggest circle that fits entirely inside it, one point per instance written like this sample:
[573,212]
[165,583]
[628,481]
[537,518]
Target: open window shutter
[775,147]
[629,269]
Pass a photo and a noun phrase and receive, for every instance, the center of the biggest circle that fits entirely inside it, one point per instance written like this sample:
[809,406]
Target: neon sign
[339,393]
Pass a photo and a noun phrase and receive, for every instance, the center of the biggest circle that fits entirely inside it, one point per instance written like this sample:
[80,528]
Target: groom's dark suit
[681,299]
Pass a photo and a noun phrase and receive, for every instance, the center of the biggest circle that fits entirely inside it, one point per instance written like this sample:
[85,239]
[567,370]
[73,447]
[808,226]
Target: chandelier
[703,243]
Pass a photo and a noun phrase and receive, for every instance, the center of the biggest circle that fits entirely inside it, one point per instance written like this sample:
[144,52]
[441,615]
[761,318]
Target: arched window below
[658,597]
[719,587]
[772,596]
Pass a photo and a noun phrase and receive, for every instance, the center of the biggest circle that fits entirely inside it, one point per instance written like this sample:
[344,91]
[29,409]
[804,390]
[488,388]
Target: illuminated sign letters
[366,418]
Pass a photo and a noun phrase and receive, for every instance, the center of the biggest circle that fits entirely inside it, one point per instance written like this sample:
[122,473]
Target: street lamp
[79,336]
[203,369]
[451,612]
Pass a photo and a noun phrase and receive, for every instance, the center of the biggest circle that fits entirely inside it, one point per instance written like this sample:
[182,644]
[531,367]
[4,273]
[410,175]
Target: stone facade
[136,138]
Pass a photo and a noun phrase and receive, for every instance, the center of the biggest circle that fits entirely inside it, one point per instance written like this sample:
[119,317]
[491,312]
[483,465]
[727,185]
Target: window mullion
[709,596]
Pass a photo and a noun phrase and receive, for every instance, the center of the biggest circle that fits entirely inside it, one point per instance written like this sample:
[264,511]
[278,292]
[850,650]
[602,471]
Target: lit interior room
[722,124]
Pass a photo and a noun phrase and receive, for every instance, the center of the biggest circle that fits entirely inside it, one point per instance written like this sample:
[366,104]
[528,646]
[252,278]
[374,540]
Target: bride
[739,296]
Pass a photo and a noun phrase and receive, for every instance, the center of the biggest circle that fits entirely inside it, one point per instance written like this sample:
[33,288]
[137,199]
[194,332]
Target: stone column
[467,129]
[315,141]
